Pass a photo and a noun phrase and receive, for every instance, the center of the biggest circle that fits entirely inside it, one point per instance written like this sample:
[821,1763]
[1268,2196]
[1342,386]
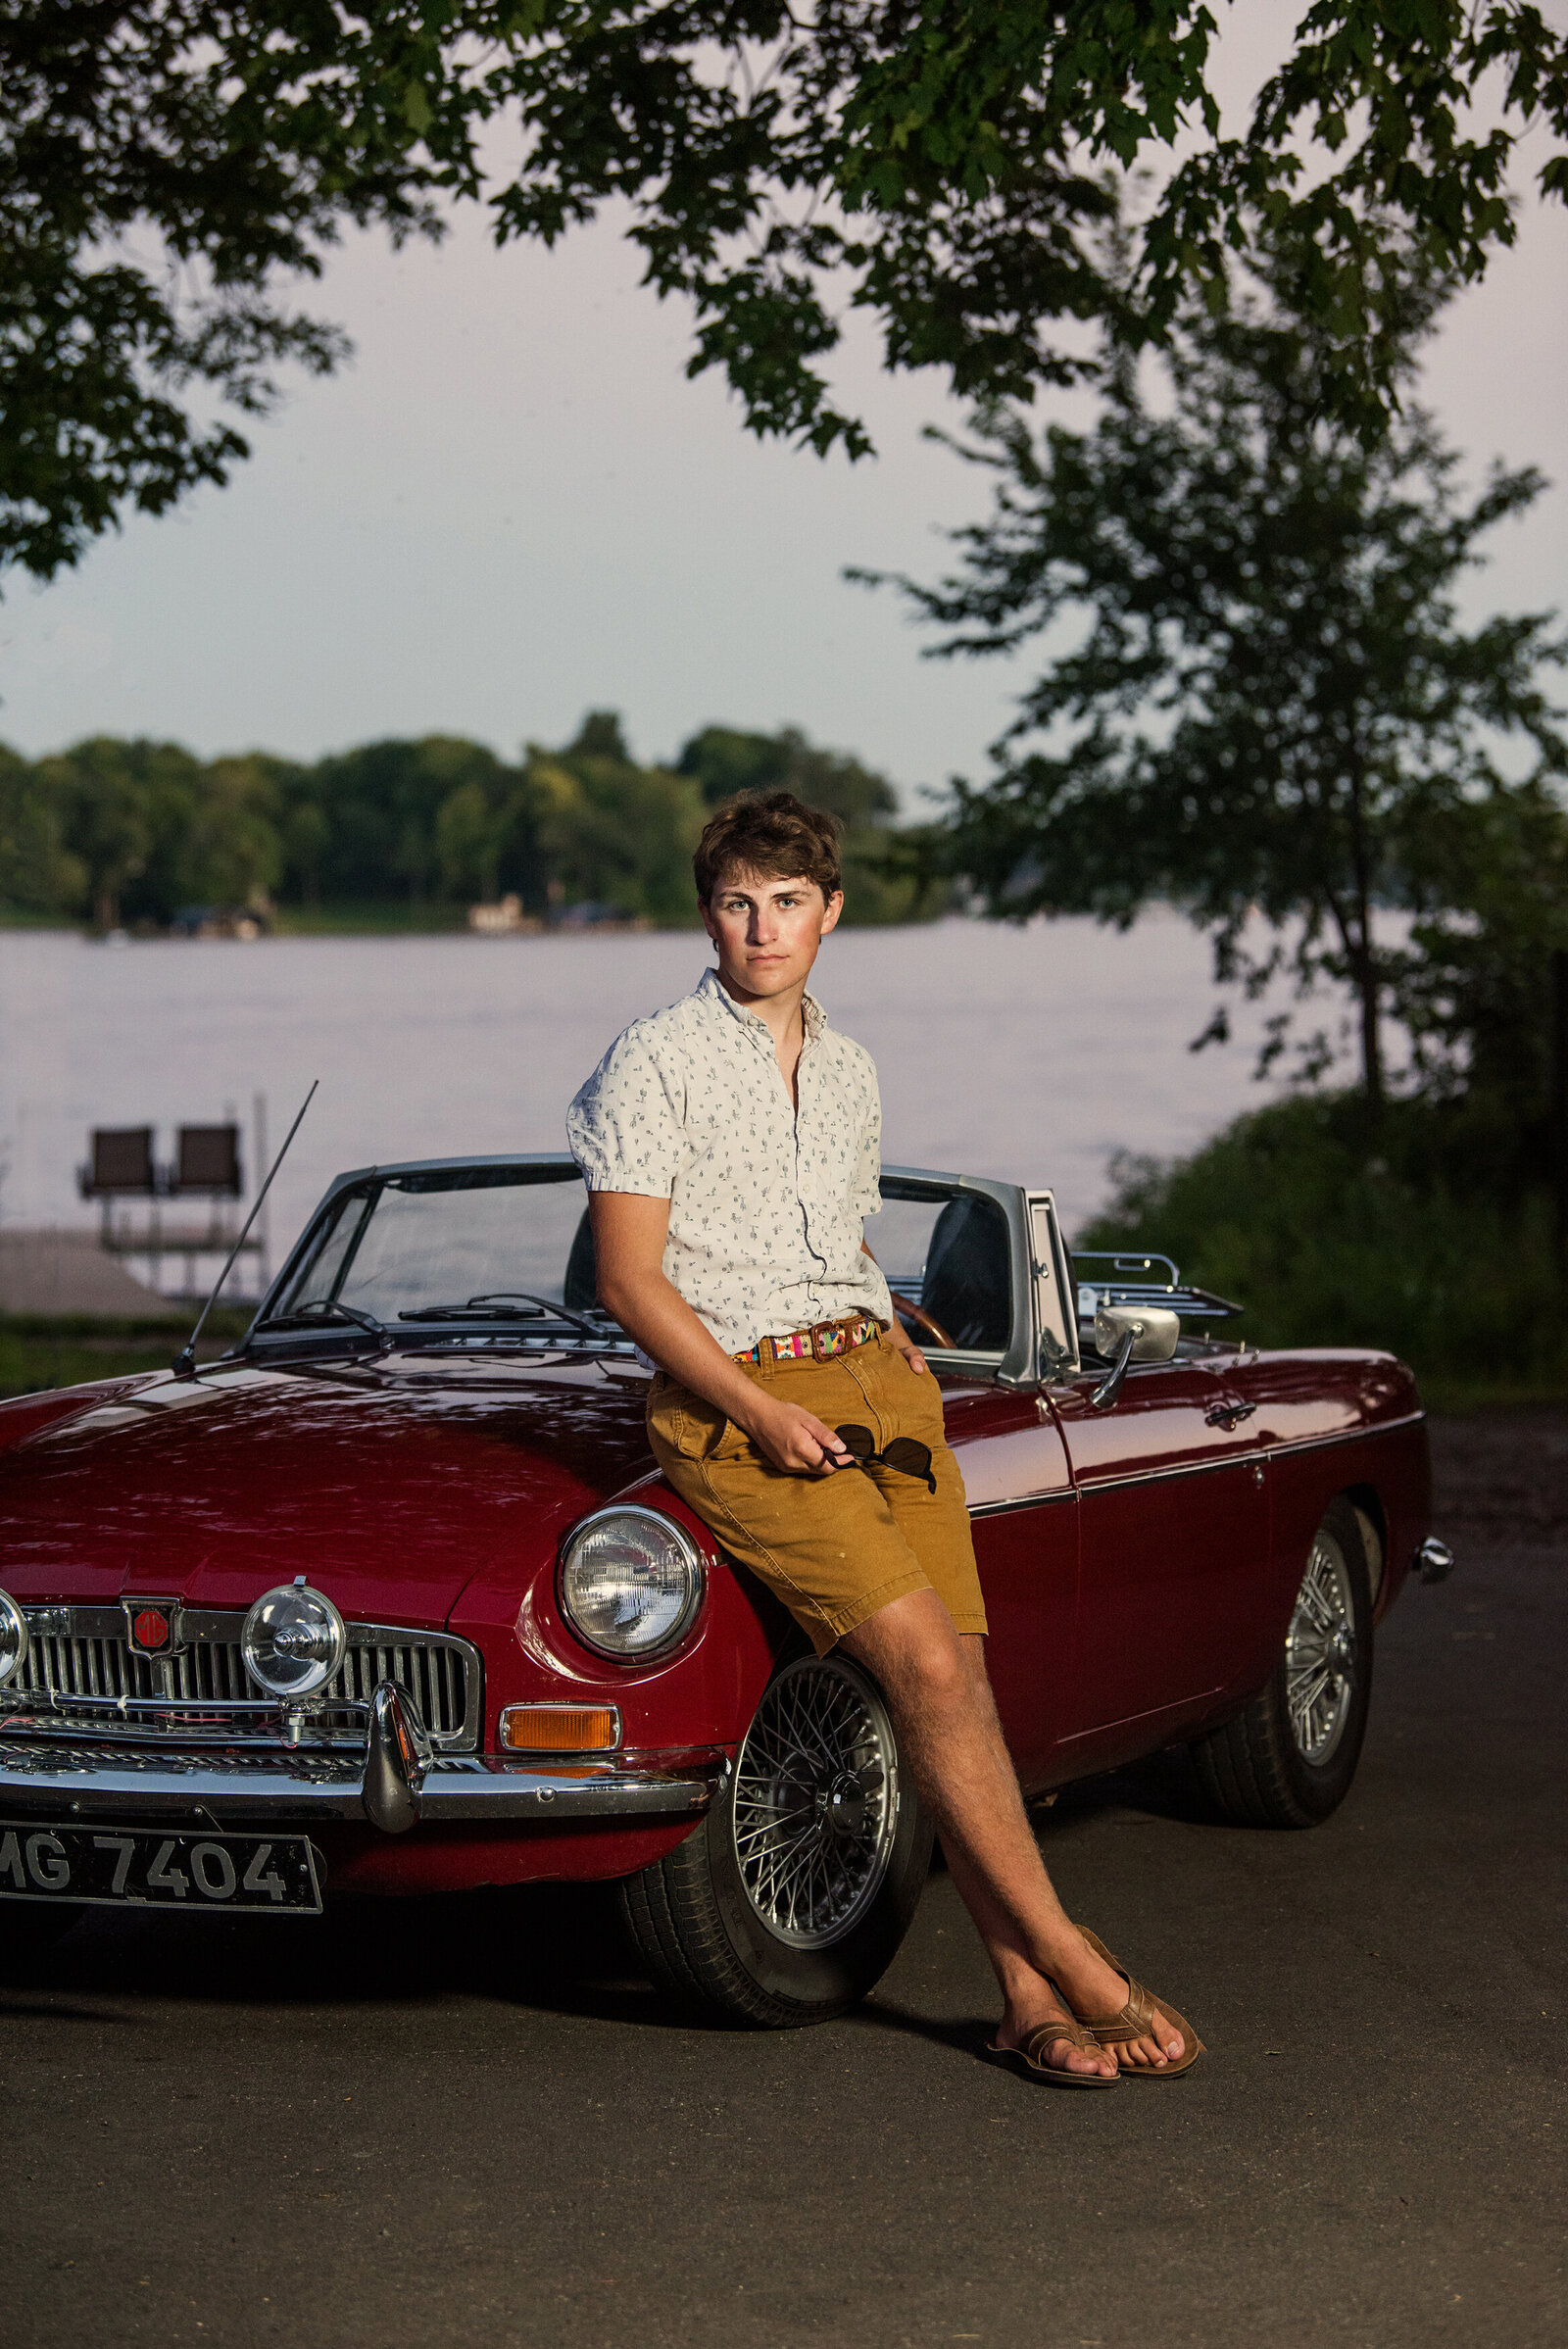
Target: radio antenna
[184,1365]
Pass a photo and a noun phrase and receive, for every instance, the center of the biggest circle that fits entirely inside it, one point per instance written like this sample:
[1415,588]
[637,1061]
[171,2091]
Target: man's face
[767,931]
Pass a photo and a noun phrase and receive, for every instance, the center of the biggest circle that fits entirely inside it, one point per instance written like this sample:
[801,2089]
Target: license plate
[143,1867]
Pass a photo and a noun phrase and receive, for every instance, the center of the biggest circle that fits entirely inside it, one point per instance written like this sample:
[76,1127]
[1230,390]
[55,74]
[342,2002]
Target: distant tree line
[135,833]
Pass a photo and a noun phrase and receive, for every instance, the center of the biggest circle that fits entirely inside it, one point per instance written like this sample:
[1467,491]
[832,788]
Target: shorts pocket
[693,1429]
[911,1397]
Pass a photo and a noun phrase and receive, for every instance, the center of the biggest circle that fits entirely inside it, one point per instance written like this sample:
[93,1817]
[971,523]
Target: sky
[512,507]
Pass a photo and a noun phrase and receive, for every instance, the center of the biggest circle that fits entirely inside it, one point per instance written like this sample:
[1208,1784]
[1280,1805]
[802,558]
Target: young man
[731,1150]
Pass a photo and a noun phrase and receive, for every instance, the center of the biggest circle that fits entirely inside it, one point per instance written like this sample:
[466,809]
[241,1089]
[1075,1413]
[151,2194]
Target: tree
[103,788]
[228,852]
[383,831]
[1476,991]
[150,829]
[168,167]
[612,833]
[1272,707]
[38,872]
[725,759]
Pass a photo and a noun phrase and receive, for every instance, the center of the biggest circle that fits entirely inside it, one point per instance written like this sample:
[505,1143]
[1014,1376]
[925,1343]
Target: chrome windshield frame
[1019,1364]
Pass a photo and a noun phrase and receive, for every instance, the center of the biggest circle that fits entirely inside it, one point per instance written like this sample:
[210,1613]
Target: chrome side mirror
[1131,1334]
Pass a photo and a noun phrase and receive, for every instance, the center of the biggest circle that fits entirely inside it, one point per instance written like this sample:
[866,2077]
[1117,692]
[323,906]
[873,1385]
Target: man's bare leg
[936,1686]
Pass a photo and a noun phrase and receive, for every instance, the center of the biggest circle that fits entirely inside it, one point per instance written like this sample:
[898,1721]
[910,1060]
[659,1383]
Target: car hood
[387,1492]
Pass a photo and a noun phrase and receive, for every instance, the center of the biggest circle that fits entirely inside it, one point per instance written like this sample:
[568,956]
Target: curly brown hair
[773,835]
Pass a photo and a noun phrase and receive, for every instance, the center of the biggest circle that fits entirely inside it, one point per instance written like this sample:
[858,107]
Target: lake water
[1030,1053]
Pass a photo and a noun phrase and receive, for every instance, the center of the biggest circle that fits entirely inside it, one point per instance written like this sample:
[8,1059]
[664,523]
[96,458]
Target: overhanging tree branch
[931,165]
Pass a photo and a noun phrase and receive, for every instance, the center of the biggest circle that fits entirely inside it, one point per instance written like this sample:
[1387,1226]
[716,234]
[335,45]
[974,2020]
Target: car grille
[85,1673]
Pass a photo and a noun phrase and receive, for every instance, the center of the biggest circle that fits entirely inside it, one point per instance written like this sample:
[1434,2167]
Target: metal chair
[207,1160]
[121,1164]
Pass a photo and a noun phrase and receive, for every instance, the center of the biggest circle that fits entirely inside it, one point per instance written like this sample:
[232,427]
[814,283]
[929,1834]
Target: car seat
[579,1291]
[967,1286]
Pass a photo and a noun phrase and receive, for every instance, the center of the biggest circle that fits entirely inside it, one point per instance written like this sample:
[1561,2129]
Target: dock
[65,1273]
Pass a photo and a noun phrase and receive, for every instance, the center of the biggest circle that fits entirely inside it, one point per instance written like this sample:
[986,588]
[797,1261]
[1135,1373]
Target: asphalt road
[470,2123]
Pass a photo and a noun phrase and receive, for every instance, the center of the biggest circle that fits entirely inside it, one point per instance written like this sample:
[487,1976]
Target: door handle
[1228,1415]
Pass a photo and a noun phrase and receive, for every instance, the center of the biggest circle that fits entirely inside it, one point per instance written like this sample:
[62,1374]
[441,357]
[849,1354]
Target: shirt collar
[712,990]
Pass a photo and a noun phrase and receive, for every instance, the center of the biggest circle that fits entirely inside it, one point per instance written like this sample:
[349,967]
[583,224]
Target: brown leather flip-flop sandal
[1136,2022]
[1035,2049]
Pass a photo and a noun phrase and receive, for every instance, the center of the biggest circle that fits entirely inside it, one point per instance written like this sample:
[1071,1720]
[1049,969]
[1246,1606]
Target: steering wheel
[907,1312]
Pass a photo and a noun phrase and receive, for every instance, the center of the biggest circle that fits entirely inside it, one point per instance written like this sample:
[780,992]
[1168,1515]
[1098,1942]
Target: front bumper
[236,1788]
[395,1780]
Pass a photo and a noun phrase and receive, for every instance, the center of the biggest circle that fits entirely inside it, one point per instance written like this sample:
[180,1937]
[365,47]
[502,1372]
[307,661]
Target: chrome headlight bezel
[322,1667]
[656,1532]
[15,1639]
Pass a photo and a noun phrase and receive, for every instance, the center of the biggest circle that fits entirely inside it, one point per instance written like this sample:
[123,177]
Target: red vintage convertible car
[393,1599]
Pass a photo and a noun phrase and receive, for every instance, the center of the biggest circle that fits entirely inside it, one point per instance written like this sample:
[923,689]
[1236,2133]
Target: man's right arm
[630,1232]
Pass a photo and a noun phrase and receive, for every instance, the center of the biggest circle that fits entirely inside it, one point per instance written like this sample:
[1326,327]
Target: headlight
[293,1641]
[631,1582]
[12,1638]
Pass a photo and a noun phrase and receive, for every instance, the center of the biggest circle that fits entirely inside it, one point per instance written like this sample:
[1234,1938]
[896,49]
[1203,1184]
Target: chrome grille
[115,1686]
[436,1678]
[213,1672]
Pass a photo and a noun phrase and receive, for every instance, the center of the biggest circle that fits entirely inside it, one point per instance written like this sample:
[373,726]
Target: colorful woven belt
[820,1343]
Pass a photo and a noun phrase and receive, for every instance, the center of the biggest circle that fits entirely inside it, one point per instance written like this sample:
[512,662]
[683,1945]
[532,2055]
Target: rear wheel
[1288,1759]
[789,1901]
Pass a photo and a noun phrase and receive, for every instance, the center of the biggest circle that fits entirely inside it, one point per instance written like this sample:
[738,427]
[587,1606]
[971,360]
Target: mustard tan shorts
[834,1548]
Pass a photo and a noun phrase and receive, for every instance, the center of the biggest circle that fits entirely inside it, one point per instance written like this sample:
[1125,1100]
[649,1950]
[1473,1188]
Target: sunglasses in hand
[904,1453]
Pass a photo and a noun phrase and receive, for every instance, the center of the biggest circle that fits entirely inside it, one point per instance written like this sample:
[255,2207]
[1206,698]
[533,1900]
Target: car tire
[1290,1755]
[28,1928]
[789,1901]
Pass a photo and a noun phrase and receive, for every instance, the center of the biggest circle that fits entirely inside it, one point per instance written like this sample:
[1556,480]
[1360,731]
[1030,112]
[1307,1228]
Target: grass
[39,1351]
[1332,1232]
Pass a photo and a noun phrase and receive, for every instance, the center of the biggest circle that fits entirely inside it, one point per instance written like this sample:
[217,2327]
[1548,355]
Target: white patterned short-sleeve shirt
[766,1202]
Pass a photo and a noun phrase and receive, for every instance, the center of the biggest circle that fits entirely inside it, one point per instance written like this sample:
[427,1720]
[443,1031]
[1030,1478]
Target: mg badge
[153,1626]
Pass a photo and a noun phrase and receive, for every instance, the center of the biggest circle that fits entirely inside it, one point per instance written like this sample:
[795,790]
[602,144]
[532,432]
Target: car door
[1025,1521]
[1173,1512]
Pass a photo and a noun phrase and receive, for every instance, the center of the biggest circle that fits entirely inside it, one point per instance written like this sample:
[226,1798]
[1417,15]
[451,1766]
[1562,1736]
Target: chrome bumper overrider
[1434,1560]
[392,1784]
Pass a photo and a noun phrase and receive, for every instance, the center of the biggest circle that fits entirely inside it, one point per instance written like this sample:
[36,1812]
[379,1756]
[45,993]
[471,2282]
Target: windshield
[499,1242]
[505,1252]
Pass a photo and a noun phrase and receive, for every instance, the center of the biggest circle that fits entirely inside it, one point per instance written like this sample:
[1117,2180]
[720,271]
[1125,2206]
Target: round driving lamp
[631,1583]
[12,1638]
[293,1641]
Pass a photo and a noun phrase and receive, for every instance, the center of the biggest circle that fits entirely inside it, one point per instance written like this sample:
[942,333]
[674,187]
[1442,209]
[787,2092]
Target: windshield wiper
[497,1305]
[319,1312]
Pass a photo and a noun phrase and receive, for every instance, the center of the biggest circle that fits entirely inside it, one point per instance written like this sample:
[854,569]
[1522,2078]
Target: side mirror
[1132,1334]
[1152,1328]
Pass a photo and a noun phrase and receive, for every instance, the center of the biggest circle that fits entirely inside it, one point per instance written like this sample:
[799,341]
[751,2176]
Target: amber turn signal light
[559,1727]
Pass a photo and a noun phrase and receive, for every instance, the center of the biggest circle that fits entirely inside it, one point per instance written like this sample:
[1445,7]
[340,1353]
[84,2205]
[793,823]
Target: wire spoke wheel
[788,1902]
[1288,1757]
[1320,1653]
[817,1802]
